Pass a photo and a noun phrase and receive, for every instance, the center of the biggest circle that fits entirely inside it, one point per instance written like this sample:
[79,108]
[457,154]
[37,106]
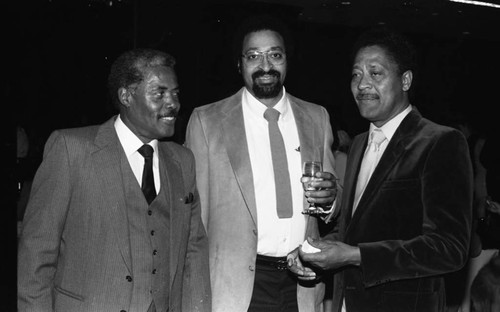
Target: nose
[364,82]
[171,100]
[265,64]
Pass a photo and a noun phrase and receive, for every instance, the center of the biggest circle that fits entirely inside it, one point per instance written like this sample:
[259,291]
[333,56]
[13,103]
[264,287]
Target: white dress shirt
[131,143]
[276,237]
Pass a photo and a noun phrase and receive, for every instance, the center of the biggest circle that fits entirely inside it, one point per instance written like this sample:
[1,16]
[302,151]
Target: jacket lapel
[308,151]
[173,191]
[391,155]
[235,141]
[107,156]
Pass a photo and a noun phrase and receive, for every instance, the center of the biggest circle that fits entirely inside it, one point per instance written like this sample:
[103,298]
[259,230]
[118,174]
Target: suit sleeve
[195,140]
[196,285]
[446,203]
[43,224]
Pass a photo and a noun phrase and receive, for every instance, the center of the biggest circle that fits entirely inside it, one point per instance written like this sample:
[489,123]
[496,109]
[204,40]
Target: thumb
[315,242]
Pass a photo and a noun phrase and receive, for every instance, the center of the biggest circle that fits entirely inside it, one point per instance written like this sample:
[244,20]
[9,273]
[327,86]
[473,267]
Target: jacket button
[150,212]
[254,232]
[155,252]
[251,268]
[152,232]
[129,278]
[154,271]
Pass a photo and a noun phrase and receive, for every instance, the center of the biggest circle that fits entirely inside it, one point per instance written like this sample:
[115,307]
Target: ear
[239,66]
[407,79]
[124,96]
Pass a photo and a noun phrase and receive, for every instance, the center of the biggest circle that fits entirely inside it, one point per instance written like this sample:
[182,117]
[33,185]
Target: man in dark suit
[230,139]
[92,240]
[411,222]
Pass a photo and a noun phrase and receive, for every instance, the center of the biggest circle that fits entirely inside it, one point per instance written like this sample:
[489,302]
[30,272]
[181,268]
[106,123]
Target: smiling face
[264,79]
[379,89]
[150,107]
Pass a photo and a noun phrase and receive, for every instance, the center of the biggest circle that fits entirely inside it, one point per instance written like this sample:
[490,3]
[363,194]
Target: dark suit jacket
[74,251]
[413,222]
[216,135]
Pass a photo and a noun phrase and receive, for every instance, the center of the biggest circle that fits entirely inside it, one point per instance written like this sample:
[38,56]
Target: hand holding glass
[309,169]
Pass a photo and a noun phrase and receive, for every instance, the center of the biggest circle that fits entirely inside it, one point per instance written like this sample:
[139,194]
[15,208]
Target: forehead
[160,75]
[263,40]
[374,55]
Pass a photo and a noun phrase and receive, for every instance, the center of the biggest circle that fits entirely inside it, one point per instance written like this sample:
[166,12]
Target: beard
[267,90]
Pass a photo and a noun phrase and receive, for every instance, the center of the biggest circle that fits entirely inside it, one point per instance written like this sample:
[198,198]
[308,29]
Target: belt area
[278,263]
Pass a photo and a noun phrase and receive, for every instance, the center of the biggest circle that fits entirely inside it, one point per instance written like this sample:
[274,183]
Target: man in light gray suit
[248,239]
[92,240]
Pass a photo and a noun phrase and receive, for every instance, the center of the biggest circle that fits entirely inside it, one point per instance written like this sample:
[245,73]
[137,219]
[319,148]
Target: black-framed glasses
[254,58]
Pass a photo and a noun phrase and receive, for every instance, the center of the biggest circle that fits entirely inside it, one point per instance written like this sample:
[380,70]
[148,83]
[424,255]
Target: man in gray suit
[91,239]
[248,238]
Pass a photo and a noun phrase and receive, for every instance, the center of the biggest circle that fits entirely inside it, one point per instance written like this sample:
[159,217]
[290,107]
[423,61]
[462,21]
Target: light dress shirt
[388,129]
[131,143]
[276,237]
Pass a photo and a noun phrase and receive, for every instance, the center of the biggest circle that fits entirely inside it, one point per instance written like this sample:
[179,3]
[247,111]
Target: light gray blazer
[216,135]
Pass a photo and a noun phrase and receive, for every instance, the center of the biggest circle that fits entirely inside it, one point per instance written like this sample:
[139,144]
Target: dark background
[57,56]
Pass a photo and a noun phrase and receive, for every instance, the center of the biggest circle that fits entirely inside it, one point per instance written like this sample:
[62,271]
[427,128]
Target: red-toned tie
[284,204]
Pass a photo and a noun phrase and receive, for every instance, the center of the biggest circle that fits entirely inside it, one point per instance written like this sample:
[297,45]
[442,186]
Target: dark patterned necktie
[148,181]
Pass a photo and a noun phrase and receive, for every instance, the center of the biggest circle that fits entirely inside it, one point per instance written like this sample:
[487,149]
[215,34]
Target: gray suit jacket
[74,251]
[216,135]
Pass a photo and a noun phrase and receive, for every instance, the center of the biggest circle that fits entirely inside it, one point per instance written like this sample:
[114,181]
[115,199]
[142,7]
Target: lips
[367,97]
[266,76]
[170,115]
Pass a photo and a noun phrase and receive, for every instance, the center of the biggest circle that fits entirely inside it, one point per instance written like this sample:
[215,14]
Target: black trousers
[274,290]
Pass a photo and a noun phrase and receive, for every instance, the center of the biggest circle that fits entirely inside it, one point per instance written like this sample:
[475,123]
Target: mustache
[171,112]
[367,96]
[271,72]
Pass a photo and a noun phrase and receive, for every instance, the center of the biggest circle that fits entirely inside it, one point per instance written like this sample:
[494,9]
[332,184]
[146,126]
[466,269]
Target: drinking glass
[309,169]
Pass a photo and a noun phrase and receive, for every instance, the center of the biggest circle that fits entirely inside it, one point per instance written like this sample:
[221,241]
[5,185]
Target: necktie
[148,182]
[280,166]
[370,160]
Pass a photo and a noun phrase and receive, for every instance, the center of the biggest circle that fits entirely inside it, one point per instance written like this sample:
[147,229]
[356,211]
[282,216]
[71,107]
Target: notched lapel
[307,135]
[235,141]
[391,155]
[107,160]
[174,192]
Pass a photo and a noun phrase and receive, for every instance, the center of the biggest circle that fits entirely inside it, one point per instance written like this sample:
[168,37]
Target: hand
[326,189]
[297,268]
[333,254]
[493,206]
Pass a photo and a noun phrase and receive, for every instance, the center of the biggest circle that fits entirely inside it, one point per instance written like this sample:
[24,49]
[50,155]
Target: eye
[175,93]
[252,56]
[276,55]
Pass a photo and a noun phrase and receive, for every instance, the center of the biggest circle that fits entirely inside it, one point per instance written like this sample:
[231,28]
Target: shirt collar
[392,125]
[255,107]
[130,142]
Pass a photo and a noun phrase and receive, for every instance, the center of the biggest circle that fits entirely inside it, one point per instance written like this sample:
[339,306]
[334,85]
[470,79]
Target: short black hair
[396,45]
[260,22]
[128,68]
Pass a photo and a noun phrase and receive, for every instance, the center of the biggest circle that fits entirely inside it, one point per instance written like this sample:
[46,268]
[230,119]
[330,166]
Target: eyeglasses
[254,58]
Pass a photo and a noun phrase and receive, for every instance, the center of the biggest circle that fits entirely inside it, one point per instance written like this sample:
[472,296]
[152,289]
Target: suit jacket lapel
[107,156]
[308,151]
[390,157]
[235,141]
[171,168]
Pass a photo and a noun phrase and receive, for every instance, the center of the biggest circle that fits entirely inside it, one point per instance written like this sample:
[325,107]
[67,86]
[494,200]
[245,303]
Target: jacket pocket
[68,293]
